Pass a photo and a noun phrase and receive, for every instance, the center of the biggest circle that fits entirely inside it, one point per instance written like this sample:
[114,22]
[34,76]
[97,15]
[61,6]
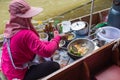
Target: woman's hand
[64,36]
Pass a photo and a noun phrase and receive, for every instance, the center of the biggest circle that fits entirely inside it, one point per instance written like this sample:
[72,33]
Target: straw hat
[20,8]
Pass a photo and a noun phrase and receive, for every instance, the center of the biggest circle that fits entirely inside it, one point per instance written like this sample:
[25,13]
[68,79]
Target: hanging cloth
[116,53]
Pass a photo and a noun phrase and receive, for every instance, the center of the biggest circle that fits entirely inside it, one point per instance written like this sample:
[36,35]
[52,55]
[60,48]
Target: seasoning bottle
[50,27]
[50,30]
[60,28]
[46,29]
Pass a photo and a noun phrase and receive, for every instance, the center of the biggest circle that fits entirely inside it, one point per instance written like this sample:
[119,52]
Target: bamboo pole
[91,15]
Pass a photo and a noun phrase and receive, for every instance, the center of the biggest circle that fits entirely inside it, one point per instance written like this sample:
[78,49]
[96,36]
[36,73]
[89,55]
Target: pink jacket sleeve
[42,48]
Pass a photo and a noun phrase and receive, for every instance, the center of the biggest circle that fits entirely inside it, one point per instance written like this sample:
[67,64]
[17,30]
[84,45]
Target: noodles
[81,49]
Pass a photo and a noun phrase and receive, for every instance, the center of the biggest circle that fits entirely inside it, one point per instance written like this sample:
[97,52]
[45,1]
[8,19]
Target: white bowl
[62,43]
[43,36]
[71,36]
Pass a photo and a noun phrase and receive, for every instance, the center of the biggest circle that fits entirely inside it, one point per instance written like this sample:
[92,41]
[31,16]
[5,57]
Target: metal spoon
[74,48]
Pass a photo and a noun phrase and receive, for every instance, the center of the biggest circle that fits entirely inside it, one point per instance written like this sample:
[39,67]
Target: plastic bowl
[108,33]
[43,36]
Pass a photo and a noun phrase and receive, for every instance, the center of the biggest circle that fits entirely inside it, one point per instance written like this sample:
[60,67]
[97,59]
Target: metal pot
[81,42]
[80,27]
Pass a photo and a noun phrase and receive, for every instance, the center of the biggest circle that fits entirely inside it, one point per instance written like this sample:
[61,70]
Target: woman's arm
[42,48]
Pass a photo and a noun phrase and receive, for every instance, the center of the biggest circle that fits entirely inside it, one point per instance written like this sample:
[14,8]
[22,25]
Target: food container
[107,34]
[80,27]
[71,36]
[62,43]
[80,47]
[43,36]
[60,56]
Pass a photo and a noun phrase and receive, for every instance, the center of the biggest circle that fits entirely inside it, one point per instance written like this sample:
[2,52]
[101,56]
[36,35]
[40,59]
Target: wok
[80,41]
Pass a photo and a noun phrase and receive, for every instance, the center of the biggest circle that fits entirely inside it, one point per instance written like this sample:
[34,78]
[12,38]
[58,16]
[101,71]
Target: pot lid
[78,25]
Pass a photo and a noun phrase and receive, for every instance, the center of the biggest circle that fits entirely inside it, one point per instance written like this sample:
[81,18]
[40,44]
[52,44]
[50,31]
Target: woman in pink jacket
[22,43]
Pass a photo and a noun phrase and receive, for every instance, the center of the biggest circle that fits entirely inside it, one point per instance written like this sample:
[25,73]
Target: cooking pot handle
[99,30]
[89,36]
[95,40]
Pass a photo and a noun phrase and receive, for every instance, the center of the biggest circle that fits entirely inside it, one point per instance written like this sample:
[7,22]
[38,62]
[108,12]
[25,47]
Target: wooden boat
[97,17]
[101,64]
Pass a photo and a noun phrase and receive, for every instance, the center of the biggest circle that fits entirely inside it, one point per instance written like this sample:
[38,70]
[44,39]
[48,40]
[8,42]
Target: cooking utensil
[80,27]
[108,33]
[80,41]
[71,36]
[62,43]
[74,48]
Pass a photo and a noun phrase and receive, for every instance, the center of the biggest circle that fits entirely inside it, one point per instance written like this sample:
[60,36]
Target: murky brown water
[73,13]
[85,9]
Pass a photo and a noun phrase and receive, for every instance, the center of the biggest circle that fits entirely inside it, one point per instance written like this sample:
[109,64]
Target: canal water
[85,9]
[53,9]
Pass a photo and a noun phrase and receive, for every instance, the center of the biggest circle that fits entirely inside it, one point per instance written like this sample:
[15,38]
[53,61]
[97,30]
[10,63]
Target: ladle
[99,30]
[74,48]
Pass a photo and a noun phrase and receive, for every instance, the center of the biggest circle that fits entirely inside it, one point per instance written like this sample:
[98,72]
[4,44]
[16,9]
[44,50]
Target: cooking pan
[90,46]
